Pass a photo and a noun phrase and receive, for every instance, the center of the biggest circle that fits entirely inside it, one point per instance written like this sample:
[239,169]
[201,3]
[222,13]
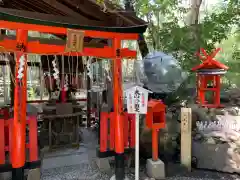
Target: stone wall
[216,133]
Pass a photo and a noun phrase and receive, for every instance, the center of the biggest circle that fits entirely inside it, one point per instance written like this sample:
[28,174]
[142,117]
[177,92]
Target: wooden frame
[22,46]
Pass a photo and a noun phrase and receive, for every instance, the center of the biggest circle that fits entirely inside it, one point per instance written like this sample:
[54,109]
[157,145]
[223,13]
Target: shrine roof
[210,64]
[84,14]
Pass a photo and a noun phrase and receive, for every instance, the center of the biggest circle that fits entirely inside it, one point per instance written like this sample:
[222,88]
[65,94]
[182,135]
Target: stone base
[114,178]
[34,174]
[155,169]
[220,157]
[103,164]
[5,176]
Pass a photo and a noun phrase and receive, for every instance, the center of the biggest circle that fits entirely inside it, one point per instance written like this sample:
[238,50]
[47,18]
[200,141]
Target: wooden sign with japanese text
[186,137]
[137,100]
[75,41]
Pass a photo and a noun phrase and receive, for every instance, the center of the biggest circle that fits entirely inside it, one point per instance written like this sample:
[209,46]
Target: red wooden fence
[107,131]
[6,139]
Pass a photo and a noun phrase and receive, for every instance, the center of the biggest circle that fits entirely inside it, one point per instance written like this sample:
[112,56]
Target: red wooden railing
[107,133]
[6,139]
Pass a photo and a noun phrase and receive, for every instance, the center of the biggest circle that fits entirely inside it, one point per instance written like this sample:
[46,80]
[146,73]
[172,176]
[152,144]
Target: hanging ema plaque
[75,41]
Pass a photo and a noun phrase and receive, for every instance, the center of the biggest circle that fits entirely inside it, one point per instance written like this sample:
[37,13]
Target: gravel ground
[80,165]
[86,172]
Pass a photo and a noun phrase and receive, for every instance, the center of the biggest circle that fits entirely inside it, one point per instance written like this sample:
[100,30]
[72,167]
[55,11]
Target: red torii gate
[22,46]
[209,71]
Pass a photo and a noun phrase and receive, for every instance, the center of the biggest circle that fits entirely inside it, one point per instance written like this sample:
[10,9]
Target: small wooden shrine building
[209,78]
[86,12]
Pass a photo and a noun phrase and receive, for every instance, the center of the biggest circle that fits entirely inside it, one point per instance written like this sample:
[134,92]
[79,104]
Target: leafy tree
[169,32]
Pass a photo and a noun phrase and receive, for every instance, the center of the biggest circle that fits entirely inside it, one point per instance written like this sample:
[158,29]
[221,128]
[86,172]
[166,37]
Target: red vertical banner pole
[19,122]
[217,91]
[103,131]
[118,111]
[197,89]
[201,89]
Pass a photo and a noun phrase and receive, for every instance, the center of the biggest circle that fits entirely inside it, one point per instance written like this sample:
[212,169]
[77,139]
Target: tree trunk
[194,21]
[141,41]
[143,46]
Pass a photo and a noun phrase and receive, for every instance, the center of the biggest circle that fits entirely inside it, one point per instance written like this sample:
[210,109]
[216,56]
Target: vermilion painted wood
[33,139]
[9,123]
[2,142]
[103,131]
[126,129]
[107,133]
[61,30]
[7,147]
[155,144]
[203,79]
[36,48]
[209,62]
[17,135]
[118,99]
[112,132]
[20,95]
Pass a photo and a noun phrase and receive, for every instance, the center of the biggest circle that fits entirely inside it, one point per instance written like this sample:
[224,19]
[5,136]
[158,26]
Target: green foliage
[31,93]
[169,33]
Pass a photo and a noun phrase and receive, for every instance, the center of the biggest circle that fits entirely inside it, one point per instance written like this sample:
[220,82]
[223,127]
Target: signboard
[75,41]
[137,100]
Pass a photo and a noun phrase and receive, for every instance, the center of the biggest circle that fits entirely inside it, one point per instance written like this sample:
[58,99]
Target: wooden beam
[63,31]
[91,10]
[93,43]
[186,137]
[36,47]
[69,11]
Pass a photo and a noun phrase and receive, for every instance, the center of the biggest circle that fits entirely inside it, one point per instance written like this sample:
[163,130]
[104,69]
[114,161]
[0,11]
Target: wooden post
[217,91]
[155,144]
[186,137]
[19,122]
[118,111]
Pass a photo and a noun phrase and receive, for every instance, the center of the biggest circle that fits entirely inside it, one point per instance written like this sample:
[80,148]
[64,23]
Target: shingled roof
[82,12]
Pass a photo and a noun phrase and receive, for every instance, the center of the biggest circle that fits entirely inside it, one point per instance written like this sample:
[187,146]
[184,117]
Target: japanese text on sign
[137,99]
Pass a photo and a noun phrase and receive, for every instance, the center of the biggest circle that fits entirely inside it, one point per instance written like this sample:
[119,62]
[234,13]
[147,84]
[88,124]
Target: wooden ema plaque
[75,39]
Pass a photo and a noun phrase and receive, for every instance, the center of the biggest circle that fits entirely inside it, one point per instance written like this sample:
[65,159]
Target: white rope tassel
[107,70]
[56,72]
[66,83]
[49,75]
[89,73]
[21,67]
